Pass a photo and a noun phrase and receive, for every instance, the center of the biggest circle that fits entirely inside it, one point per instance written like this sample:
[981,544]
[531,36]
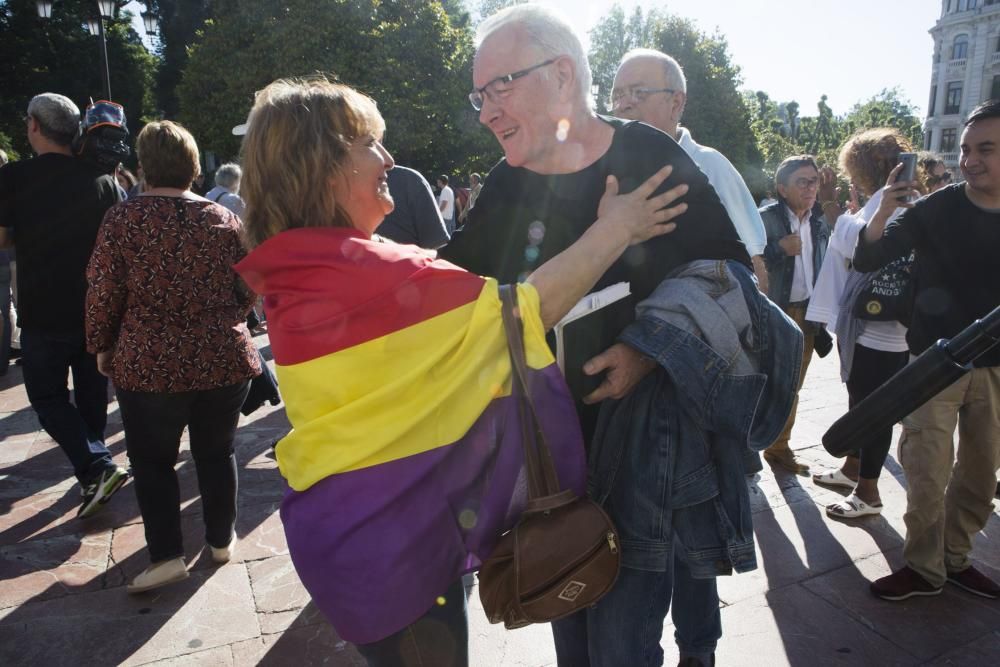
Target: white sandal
[852,507]
[834,478]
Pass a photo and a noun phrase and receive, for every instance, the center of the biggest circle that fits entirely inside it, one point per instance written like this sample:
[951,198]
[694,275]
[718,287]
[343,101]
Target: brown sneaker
[975,582]
[786,459]
[902,584]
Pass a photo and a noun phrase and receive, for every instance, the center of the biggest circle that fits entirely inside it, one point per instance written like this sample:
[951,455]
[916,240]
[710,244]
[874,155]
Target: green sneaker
[98,492]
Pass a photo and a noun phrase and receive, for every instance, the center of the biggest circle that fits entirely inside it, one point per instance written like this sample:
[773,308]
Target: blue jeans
[440,637]
[77,427]
[626,626]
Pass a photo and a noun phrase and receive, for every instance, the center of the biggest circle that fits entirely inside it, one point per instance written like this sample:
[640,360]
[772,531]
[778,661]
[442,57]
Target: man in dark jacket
[797,236]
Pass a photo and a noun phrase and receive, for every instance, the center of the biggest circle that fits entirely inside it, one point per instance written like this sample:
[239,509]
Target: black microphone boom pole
[939,366]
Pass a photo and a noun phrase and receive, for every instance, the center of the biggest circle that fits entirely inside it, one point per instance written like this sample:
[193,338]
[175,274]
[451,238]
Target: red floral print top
[164,297]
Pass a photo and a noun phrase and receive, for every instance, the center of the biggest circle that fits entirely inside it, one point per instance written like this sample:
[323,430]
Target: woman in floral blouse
[166,318]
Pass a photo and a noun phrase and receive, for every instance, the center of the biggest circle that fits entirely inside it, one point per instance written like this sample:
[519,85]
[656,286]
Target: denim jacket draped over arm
[728,367]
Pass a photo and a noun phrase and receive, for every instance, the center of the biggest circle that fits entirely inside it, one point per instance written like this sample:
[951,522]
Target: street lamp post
[149,21]
[95,25]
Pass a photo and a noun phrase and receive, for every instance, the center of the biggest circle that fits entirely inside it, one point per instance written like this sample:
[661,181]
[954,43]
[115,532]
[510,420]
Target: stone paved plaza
[62,580]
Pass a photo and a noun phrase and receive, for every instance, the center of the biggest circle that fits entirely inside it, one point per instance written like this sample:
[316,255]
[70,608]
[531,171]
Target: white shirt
[733,192]
[224,197]
[802,281]
[824,307]
[448,197]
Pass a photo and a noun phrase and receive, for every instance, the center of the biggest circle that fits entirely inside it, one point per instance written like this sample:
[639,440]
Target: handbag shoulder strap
[542,478]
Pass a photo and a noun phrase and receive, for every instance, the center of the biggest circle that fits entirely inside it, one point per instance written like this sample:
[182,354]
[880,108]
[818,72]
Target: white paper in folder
[591,303]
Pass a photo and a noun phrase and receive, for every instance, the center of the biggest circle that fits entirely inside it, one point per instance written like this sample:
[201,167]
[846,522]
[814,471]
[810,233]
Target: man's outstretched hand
[625,368]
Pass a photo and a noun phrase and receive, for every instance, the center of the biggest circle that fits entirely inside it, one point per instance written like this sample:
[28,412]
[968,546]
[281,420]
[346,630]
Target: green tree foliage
[58,55]
[406,55]
[458,13]
[179,22]
[716,113]
[7,146]
[824,134]
[771,135]
[780,132]
[613,37]
[886,109]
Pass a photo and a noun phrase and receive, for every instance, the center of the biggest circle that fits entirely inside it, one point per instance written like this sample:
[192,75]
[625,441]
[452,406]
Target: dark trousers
[77,427]
[870,369]
[6,326]
[153,426]
[440,637]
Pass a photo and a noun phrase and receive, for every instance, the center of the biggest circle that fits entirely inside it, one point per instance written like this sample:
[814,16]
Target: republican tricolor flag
[405,461]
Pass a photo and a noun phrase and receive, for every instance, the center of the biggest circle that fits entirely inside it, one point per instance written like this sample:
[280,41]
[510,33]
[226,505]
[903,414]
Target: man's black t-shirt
[956,274]
[54,205]
[522,219]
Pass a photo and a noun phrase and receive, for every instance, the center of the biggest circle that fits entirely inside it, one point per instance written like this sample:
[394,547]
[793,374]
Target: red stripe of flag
[327,289]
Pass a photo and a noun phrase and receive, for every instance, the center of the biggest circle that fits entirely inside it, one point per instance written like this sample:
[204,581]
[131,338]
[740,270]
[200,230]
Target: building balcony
[995,58]
[955,68]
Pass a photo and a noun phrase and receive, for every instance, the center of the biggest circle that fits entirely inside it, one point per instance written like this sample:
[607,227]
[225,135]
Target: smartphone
[908,172]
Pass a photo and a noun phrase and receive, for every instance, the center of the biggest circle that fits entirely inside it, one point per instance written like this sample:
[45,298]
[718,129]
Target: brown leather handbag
[563,554]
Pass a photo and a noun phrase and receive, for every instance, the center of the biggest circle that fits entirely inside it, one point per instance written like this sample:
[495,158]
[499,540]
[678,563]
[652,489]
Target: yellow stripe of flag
[404,393]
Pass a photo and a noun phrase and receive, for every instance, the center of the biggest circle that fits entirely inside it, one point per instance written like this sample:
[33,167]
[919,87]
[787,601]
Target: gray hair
[673,69]
[551,35]
[228,175]
[57,116]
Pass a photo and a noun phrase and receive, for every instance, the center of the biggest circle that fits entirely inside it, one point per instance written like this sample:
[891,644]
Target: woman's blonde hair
[168,155]
[869,155]
[298,137]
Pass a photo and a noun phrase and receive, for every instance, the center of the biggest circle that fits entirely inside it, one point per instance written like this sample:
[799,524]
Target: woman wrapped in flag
[404,464]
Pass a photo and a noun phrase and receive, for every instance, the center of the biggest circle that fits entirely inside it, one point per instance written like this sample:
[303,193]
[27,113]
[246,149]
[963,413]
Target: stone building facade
[965,70]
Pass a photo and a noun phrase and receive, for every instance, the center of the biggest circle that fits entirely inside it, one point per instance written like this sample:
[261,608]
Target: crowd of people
[405,462]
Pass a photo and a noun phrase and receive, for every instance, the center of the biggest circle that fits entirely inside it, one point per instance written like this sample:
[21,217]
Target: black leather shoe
[691,661]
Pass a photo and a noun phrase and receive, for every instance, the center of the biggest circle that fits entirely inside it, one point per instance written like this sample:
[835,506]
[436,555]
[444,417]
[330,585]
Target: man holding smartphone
[956,233]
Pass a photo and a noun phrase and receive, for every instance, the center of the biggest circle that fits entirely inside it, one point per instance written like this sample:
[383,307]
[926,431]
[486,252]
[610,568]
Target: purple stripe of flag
[375,547]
